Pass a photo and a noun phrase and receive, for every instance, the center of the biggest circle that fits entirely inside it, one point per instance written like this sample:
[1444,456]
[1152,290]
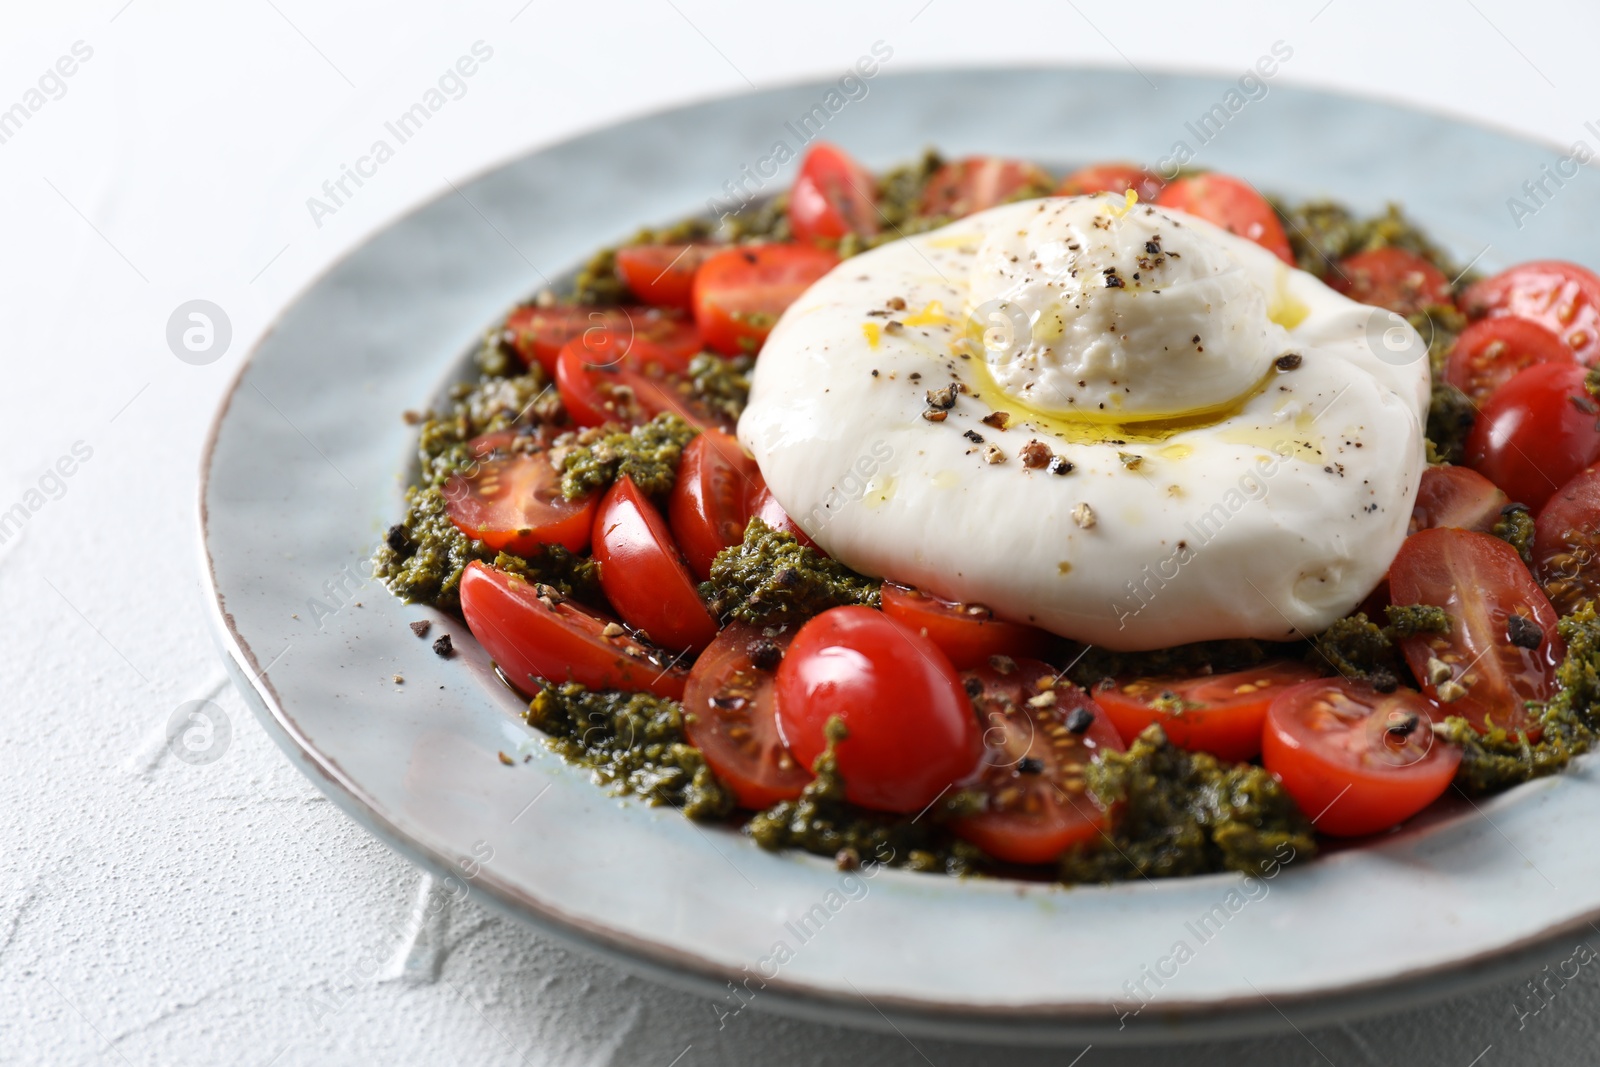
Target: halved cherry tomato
[1220,713]
[834,195]
[710,502]
[1490,352]
[911,731]
[1536,432]
[1111,178]
[765,506]
[1566,543]
[1488,666]
[663,275]
[968,633]
[619,390]
[979,182]
[1564,298]
[1033,763]
[540,333]
[643,573]
[1231,204]
[532,632]
[729,715]
[740,292]
[510,498]
[1457,497]
[1356,760]
[1391,278]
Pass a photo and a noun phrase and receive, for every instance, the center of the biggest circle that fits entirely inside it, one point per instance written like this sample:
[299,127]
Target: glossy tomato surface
[1536,432]
[730,715]
[663,275]
[833,196]
[1490,352]
[968,633]
[1458,497]
[510,498]
[1392,278]
[540,333]
[1562,297]
[1231,204]
[710,502]
[1217,713]
[739,293]
[643,573]
[765,506]
[1566,543]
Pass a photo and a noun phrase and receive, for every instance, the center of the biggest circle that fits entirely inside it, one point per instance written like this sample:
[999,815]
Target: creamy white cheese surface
[931,411]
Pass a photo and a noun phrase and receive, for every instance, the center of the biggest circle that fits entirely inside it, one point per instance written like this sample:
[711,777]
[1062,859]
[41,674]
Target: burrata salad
[965,518]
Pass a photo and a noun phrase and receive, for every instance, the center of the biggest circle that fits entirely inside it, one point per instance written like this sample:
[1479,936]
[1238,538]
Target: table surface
[162,911]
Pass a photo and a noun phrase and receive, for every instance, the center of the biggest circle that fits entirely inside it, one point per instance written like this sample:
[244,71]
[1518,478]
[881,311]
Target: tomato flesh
[1355,760]
[1490,352]
[510,498]
[1034,758]
[532,632]
[644,575]
[1562,297]
[540,333]
[1111,178]
[1457,497]
[740,292]
[1392,278]
[1220,714]
[618,388]
[765,506]
[1536,432]
[968,633]
[1231,204]
[910,729]
[833,196]
[1481,583]
[730,716]
[710,502]
[663,275]
[974,184]
[1566,543]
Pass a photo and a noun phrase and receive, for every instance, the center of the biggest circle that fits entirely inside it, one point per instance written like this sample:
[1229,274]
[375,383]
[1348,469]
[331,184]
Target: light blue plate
[306,466]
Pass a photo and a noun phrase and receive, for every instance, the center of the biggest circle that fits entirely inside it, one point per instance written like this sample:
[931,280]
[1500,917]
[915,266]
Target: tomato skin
[1457,497]
[1566,543]
[1480,581]
[663,275]
[1228,722]
[1490,352]
[968,633]
[740,292]
[977,183]
[1328,741]
[710,502]
[510,498]
[1562,297]
[540,333]
[765,506]
[615,388]
[1536,432]
[1036,809]
[644,575]
[730,716]
[1112,178]
[560,640]
[833,196]
[1231,204]
[1392,278]
[911,729]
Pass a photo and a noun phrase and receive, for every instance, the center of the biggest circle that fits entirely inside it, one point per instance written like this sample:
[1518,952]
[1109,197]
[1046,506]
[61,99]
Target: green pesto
[771,578]
[1496,760]
[1450,417]
[1357,647]
[490,404]
[1515,528]
[598,281]
[648,454]
[1098,664]
[764,220]
[633,742]
[1185,813]
[1321,233]
[900,191]
[721,385]
[1439,325]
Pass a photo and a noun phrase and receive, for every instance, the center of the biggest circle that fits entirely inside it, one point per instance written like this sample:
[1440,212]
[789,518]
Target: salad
[970,519]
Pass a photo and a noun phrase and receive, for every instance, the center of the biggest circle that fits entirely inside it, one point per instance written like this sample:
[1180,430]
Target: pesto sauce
[721,385]
[1358,648]
[648,454]
[1515,528]
[1321,233]
[771,578]
[1451,414]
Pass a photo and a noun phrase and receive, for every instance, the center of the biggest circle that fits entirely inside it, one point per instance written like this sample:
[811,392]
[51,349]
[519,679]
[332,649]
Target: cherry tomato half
[1488,665]
[1536,432]
[739,293]
[540,333]
[644,575]
[1111,178]
[765,506]
[1220,713]
[968,633]
[1356,760]
[1035,752]
[1566,543]
[911,731]
[1231,204]
[618,389]
[510,498]
[532,632]
[834,195]
[1490,352]
[1564,298]
[1392,278]
[979,182]
[730,716]
[1457,497]
[663,275]
[710,502]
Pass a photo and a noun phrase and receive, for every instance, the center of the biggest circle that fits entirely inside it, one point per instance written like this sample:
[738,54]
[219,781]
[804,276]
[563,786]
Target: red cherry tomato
[663,275]
[765,506]
[1457,497]
[1494,665]
[617,389]
[834,195]
[1564,298]
[740,292]
[510,498]
[1566,543]
[1391,278]
[1536,432]
[911,729]
[1356,760]
[539,334]
[979,182]
[644,575]
[709,506]
[1220,714]
[1112,178]
[1490,352]
[1033,764]
[1231,204]
[729,715]
[531,632]
[968,633]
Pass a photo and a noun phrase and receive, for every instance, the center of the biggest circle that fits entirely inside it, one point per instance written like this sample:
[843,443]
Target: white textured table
[164,911]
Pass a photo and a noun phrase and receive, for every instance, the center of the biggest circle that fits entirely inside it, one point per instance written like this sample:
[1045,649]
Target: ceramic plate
[309,456]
